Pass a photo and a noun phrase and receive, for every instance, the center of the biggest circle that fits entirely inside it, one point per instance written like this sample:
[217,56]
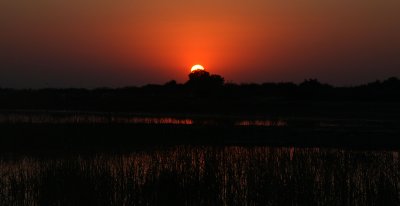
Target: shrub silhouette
[203,79]
[174,96]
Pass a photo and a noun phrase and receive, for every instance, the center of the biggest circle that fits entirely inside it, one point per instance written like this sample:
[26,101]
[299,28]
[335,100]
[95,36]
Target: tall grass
[205,176]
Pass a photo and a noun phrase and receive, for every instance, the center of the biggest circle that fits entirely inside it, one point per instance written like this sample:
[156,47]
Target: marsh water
[204,175]
[62,117]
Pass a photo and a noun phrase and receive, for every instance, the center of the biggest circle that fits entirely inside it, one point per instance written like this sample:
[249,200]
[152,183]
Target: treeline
[198,95]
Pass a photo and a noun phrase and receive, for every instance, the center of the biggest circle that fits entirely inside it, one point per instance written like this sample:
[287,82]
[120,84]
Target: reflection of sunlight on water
[148,120]
[83,119]
[227,175]
[264,123]
[112,119]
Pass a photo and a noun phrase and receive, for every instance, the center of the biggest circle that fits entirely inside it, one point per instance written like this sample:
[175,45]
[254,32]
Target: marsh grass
[184,175]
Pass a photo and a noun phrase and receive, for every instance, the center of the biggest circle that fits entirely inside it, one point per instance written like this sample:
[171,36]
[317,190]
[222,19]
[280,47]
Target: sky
[102,43]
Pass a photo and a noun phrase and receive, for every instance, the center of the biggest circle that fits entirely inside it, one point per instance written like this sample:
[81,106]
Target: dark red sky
[91,43]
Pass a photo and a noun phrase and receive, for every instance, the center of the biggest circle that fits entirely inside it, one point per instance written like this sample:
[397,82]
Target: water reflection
[76,118]
[206,176]
[264,123]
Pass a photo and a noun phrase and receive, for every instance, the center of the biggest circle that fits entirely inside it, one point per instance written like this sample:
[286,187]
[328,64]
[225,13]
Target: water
[76,117]
[101,118]
[188,175]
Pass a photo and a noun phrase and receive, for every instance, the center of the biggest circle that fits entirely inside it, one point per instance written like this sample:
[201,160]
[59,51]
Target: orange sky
[90,43]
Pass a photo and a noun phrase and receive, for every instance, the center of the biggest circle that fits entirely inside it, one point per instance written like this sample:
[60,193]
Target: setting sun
[197,67]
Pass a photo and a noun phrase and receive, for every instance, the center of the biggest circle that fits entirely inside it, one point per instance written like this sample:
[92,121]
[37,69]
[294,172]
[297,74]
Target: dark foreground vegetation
[205,176]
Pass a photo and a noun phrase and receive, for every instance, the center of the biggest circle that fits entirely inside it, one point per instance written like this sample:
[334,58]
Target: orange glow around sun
[197,67]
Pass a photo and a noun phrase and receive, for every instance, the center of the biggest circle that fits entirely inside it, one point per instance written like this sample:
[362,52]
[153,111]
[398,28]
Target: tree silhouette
[217,80]
[203,79]
[171,83]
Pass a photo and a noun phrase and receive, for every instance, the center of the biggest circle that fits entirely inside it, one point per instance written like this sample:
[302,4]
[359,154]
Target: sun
[197,67]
